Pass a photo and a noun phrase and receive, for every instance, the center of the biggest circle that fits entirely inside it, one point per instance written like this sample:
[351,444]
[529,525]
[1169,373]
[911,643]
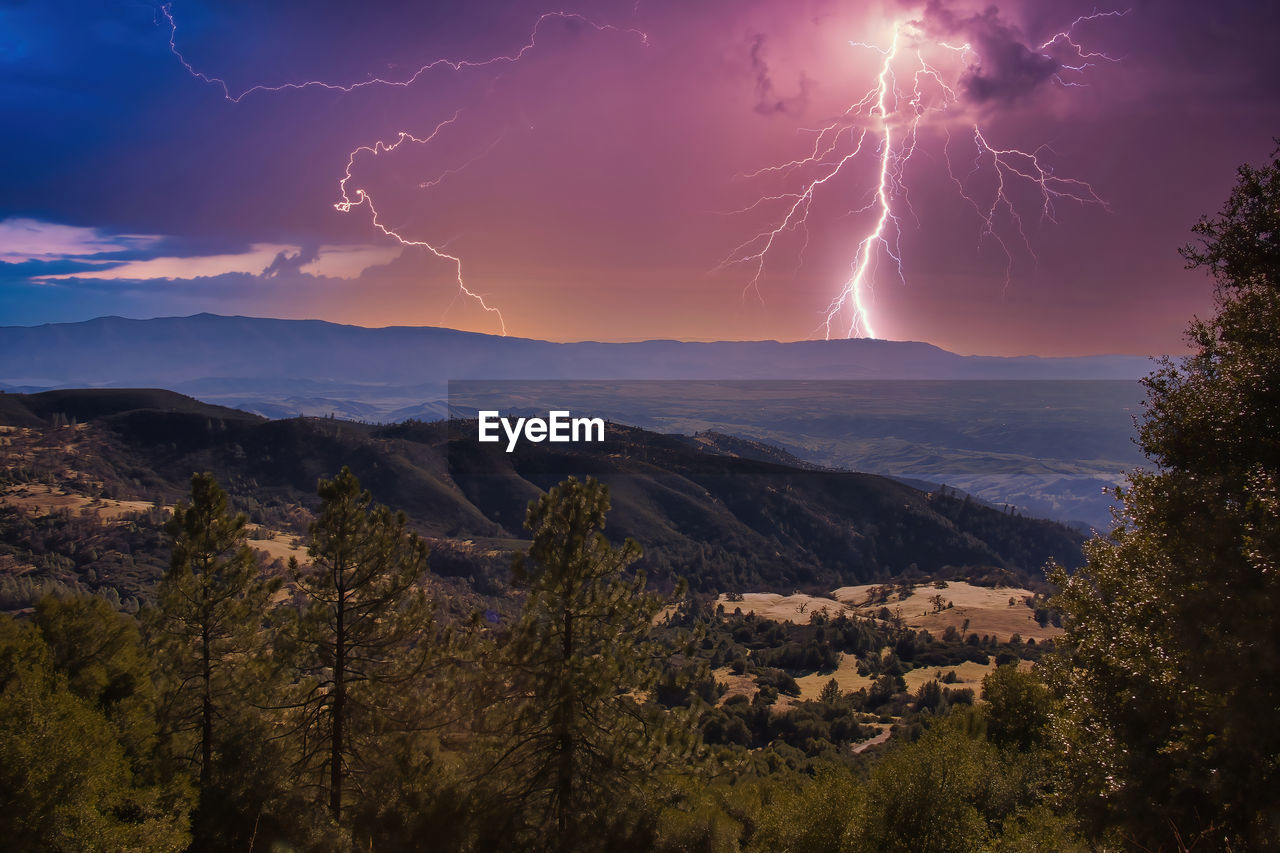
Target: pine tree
[211,609]
[100,652]
[76,769]
[1171,671]
[364,632]
[582,664]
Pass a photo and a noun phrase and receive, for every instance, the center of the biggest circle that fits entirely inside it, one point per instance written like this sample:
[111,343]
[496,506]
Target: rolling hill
[724,514]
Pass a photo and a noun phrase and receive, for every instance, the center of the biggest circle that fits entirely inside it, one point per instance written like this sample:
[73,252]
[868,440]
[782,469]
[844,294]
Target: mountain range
[1048,435]
[209,355]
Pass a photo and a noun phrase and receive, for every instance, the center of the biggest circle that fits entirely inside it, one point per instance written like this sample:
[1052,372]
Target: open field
[38,499]
[797,608]
[41,499]
[968,675]
[1000,612]
[997,611]
[277,545]
[846,675]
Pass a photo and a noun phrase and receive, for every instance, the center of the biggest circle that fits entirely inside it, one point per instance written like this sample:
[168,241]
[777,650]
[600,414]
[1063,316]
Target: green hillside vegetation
[343,710]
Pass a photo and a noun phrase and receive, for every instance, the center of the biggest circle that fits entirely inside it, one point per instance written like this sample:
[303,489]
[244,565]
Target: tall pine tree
[577,733]
[208,624]
[364,633]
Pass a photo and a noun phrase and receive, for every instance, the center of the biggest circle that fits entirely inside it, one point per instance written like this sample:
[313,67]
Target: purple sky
[588,183]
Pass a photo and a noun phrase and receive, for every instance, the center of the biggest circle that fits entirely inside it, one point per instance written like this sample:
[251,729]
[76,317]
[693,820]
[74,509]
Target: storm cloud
[1005,67]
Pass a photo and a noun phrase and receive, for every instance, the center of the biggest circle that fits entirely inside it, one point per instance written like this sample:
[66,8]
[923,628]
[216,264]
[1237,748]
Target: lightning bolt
[1067,37]
[451,64]
[885,123]
[360,197]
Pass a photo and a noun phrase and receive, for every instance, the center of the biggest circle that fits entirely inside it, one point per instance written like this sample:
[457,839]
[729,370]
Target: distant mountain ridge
[1048,450]
[250,355]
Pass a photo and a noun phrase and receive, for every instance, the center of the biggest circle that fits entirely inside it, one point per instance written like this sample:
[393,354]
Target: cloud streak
[266,260]
[23,240]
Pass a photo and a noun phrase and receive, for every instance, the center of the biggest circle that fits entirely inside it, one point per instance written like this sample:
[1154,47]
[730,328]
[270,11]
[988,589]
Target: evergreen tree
[364,633]
[74,773]
[582,664]
[211,607]
[99,653]
[1171,671]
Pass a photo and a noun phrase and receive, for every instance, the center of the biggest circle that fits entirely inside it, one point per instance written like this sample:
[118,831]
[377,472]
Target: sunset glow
[999,180]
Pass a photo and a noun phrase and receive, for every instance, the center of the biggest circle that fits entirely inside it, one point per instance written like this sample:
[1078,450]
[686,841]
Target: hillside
[723,521]
[1052,448]
[93,403]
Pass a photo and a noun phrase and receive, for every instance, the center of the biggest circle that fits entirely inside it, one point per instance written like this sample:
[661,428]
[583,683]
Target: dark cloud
[285,263]
[1005,67]
[768,101]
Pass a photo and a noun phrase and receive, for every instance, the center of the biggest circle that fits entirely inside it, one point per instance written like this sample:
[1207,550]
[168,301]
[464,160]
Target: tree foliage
[211,605]
[74,773]
[1241,246]
[1018,708]
[1171,675]
[208,631]
[364,632]
[99,653]
[581,665]
[927,796]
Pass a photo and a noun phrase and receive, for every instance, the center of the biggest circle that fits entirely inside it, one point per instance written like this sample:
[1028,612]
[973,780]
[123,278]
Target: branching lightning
[451,64]
[360,197]
[364,198]
[883,126]
[921,78]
